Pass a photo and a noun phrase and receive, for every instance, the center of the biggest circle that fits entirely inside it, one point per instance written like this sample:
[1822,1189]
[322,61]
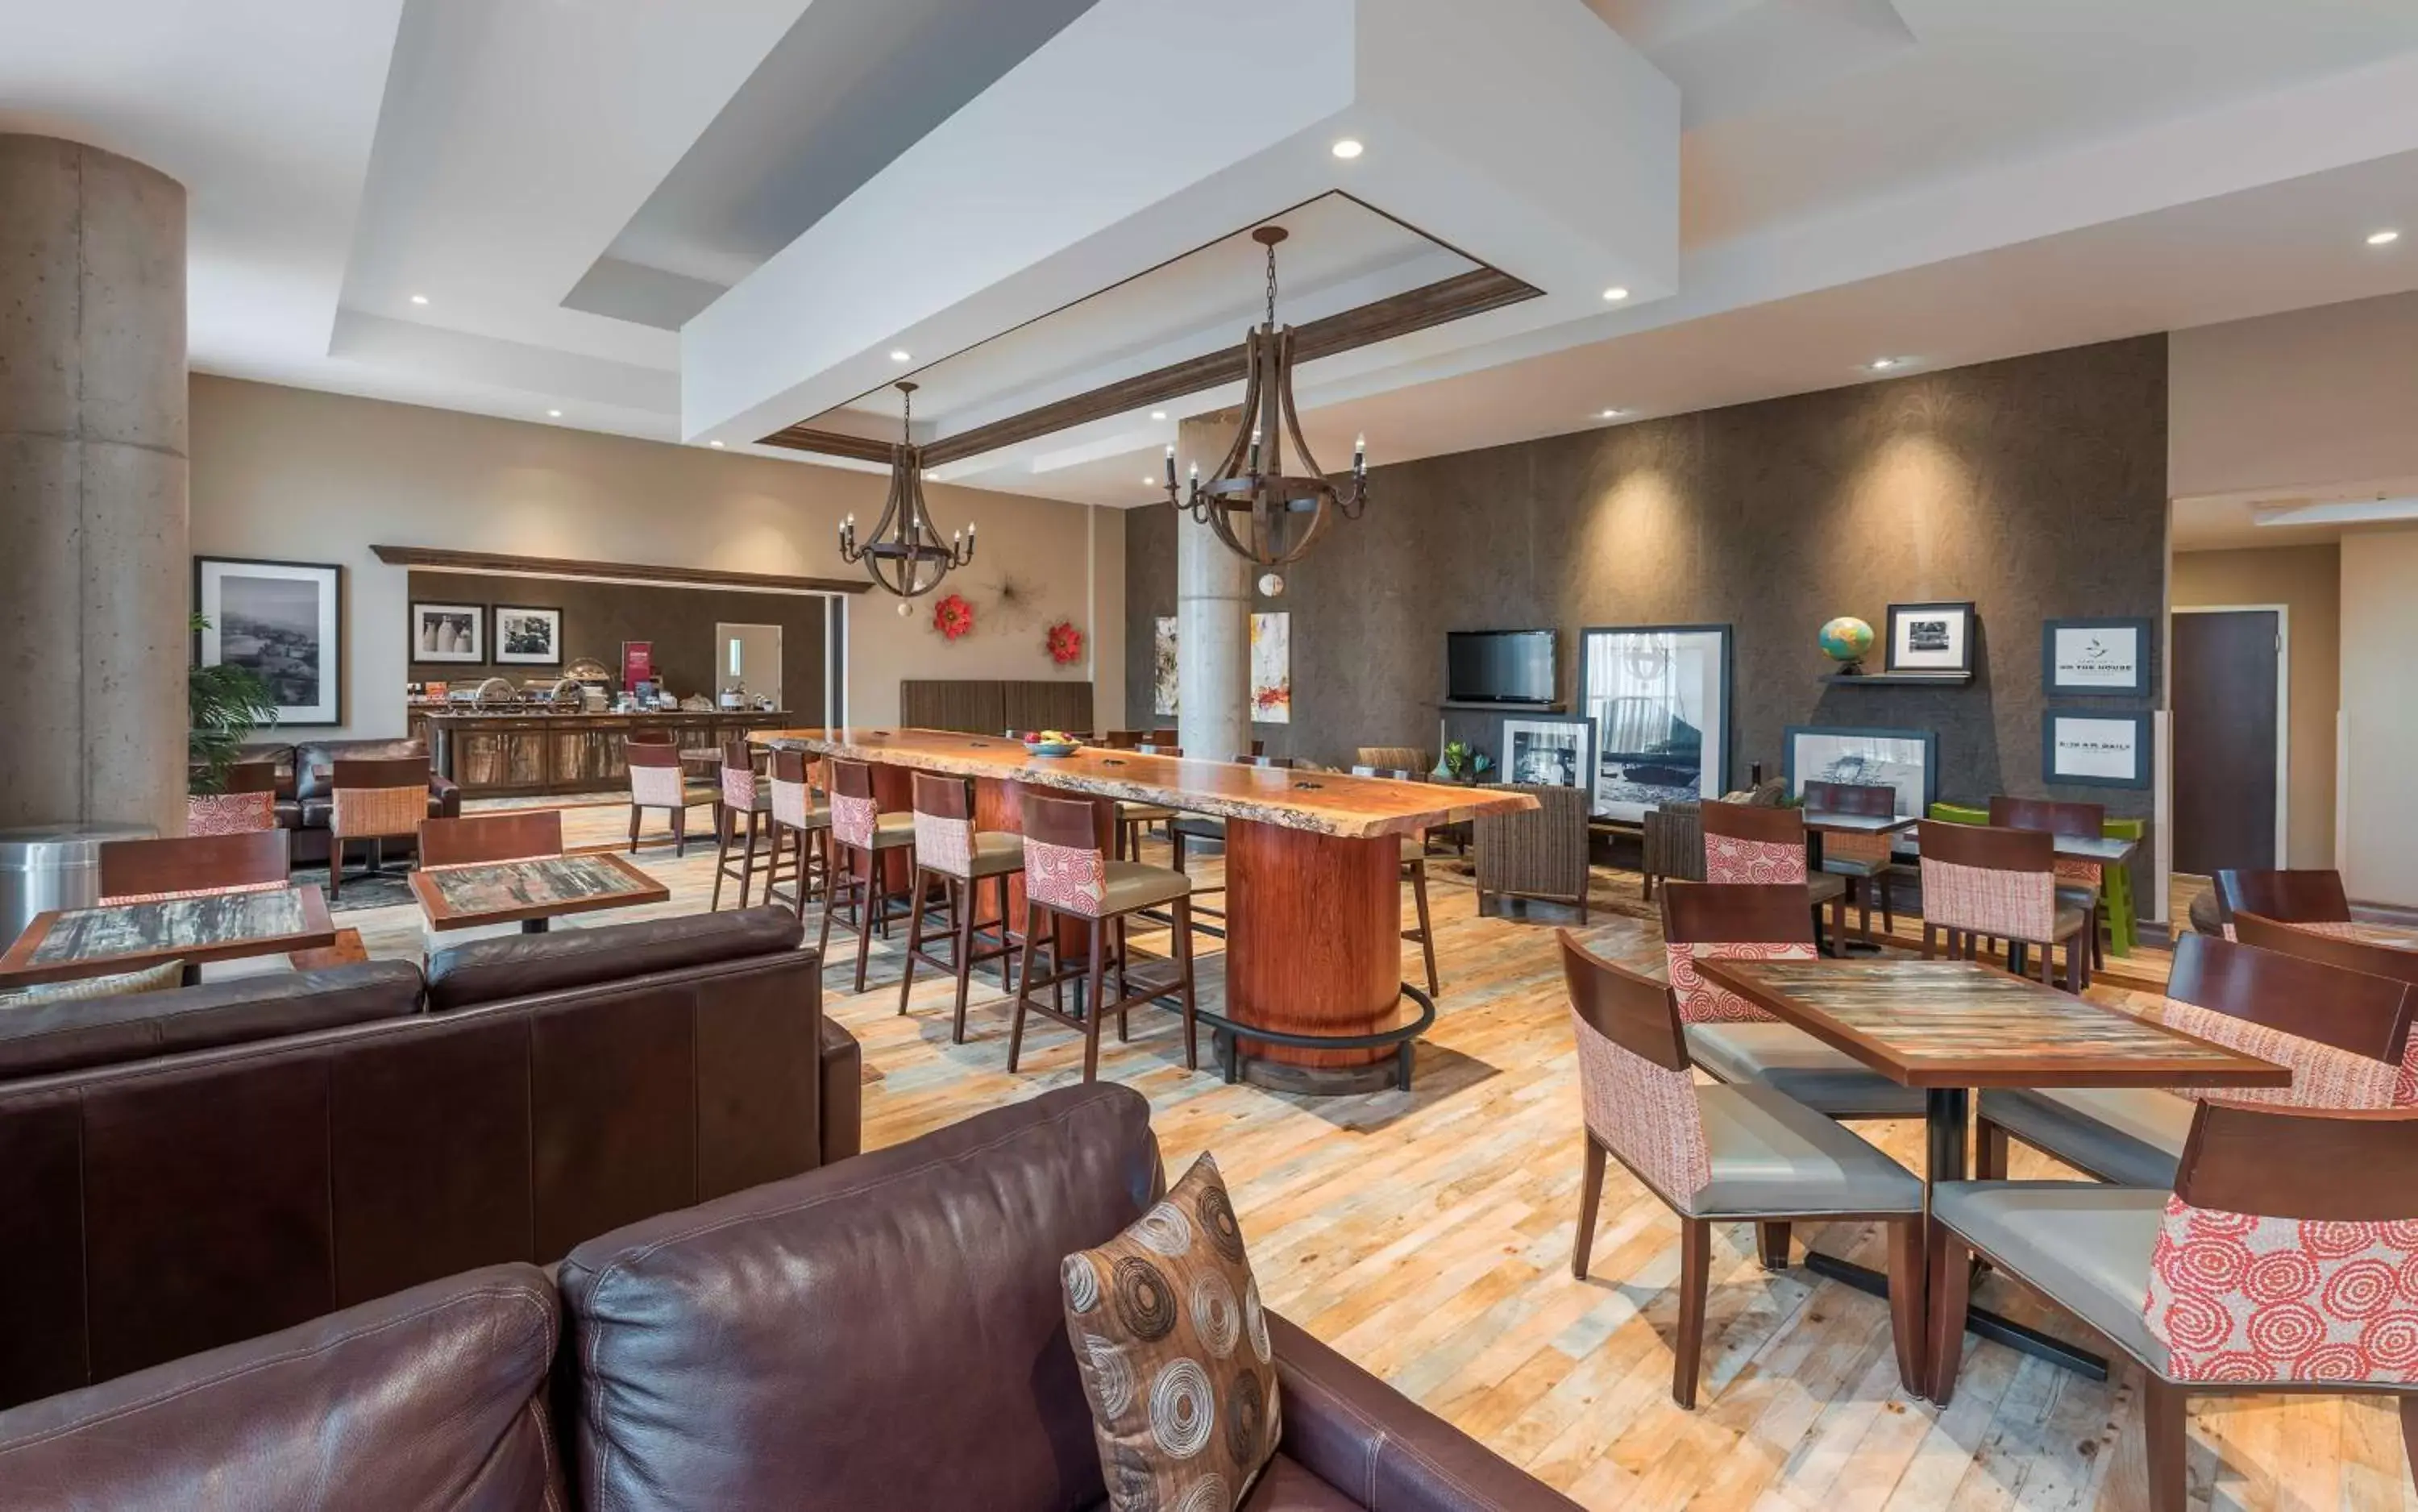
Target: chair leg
[1009,949]
[1590,1193]
[1771,1243]
[1930,939]
[1183,974]
[1427,926]
[1906,1301]
[2409,1431]
[822,936]
[2166,1425]
[335,868]
[679,833]
[1989,1146]
[635,813]
[1033,912]
[1124,1034]
[1888,911]
[966,955]
[1092,1013]
[1951,1276]
[721,857]
[914,940]
[868,897]
[747,861]
[1695,1275]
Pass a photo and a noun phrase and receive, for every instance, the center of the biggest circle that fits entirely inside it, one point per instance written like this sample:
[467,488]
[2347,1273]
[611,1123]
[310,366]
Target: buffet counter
[512,753]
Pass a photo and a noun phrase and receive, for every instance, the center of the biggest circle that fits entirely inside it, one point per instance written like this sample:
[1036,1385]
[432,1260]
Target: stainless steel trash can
[53,866]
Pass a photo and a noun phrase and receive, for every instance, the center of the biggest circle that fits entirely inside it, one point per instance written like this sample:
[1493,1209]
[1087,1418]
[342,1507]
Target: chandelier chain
[1272,284]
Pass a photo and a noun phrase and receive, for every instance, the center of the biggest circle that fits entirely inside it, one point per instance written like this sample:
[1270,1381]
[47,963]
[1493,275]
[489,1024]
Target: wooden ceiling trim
[491,562]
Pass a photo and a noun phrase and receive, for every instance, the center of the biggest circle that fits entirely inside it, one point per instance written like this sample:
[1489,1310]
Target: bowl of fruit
[1050,744]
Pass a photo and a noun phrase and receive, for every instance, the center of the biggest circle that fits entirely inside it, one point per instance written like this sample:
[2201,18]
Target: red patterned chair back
[1064,868]
[740,785]
[855,809]
[2347,1035]
[1989,881]
[379,797]
[1752,843]
[657,779]
[491,837]
[231,813]
[1635,1088]
[2292,896]
[147,871]
[1733,921]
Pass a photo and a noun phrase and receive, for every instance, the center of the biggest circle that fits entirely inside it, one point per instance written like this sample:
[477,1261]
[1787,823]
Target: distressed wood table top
[127,937]
[1964,1024]
[539,887]
[1324,802]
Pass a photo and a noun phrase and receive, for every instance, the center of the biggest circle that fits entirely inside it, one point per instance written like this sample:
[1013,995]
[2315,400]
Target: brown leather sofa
[185,1168]
[883,1333]
[305,776]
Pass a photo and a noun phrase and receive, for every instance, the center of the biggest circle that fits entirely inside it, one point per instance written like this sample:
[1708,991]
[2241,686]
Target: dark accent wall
[2035,488]
[598,617]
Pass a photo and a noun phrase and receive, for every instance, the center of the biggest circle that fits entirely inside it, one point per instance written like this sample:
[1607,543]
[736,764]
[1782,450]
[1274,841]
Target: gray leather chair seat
[1796,1064]
[2132,1136]
[1857,865]
[1771,1154]
[2083,1246]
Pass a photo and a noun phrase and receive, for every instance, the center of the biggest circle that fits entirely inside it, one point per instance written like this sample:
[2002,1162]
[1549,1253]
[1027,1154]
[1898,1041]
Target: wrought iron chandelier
[1256,509]
[906,547]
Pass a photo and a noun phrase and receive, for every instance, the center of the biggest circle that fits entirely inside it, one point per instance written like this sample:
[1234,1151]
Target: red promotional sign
[638,662]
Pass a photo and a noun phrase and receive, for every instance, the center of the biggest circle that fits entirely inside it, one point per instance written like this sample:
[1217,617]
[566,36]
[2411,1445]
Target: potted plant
[224,705]
[1462,763]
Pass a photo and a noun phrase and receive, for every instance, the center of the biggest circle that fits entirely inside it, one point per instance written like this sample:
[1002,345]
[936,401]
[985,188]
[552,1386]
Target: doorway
[748,657]
[2231,695]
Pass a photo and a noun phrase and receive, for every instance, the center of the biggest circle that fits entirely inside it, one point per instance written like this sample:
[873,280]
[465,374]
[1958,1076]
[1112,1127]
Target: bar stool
[860,832]
[949,849]
[657,780]
[1134,819]
[1982,880]
[1066,876]
[743,795]
[377,800]
[1866,861]
[801,830]
[1414,871]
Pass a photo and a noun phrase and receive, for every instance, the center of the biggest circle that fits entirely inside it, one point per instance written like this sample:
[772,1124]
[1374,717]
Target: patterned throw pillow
[165,977]
[1166,1328]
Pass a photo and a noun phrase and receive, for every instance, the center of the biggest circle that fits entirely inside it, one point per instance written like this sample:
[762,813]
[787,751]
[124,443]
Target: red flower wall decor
[953,616]
[1065,643]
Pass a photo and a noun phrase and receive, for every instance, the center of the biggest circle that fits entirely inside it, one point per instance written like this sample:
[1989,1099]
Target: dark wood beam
[803,437]
[440,560]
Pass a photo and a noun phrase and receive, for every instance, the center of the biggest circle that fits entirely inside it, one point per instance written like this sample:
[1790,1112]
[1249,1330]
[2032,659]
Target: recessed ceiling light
[1158,414]
[1615,294]
[1147,480]
[419,298]
[1348,148]
[1611,414]
[2382,238]
[900,356]
[716,445]
[554,414]
[1883,364]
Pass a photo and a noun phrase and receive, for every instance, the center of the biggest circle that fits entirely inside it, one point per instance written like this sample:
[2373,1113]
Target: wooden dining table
[532,891]
[69,943]
[1949,1027]
[1314,990]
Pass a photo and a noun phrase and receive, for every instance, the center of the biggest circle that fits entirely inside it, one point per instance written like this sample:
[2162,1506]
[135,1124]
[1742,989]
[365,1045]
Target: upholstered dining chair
[1415,872]
[2297,896]
[742,812]
[1766,843]
[658,779]
[248,803]
[1534,853]
[951,851]
[861,835]
[2278,1259]
[2079,882]
[193,865]
[1865,861]
[1719,1154]
[488,837]
[376,800]
[1978,880]
[2327,940]
[2347,1036]
[801,830]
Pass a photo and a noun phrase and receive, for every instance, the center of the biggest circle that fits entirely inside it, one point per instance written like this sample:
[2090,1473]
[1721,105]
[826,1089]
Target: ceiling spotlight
[1158,414]
[716,445]
[1348,148]
[1148,482]
[1611,414]
[1883,364]
[421,299]
[554,414]
[1615,294]
[2382,238]
[899,355]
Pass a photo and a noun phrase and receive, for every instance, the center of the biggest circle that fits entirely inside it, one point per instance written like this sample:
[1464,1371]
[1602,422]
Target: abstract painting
[1272,668]
[1162,671]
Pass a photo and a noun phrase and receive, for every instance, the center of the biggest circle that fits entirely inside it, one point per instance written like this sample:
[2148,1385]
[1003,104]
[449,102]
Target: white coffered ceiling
[710,220]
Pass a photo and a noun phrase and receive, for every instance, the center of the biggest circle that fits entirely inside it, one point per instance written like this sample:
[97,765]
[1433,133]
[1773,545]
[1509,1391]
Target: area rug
[387,888]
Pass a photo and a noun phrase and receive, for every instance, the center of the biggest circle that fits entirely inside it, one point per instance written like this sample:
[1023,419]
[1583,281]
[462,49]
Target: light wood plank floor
[1427,1236]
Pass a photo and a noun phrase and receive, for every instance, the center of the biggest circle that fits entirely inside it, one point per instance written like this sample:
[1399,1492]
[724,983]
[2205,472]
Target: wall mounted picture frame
[1272,668]
[1655,699]
[1931,637]
[1547,751]
[528,636]
[284,620]
[1908,760]
[1162,667]
[2096,747]
[2085,658]
[449,632]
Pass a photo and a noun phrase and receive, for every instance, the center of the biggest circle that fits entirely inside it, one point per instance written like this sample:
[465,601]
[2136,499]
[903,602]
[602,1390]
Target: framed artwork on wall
[1546,752]
[2095,656]
[449,632]
[2095,747]
[1656,700]
[1272,668]
[1931,637]
[1908,760]
[529,636]
[1162,666]
[284,620]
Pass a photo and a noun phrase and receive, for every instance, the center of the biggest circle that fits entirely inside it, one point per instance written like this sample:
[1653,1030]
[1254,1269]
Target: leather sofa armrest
[843,1099]
[1380,1448]
[448,795]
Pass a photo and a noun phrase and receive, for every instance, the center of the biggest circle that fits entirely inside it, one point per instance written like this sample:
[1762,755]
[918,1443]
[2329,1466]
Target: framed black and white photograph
[1546,753]
[529,638]
[2095,748]
[1931,637]
[1908,760]
[1655,699]
[449,632]
[2095,656]
[284,621]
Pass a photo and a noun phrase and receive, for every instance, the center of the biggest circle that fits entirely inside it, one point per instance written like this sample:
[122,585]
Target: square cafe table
[1948,1027]
[532,891]
[69,943]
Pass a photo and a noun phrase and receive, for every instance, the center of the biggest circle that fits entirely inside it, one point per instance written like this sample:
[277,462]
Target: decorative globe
[1847,640]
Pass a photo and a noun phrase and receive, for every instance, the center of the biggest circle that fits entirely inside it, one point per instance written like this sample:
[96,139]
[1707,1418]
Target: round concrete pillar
[1212,614]
[95,572]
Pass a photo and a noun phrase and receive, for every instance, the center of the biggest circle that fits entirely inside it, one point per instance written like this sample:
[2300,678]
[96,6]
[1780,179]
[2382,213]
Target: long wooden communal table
[1313,880]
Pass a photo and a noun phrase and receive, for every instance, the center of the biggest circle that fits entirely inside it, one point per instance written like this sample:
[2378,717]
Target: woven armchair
[1536,853]
[1395,759]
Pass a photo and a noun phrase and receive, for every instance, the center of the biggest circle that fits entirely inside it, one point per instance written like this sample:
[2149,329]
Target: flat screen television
[1499,667]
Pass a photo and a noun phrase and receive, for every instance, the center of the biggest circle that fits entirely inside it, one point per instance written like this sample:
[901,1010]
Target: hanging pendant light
[906,555]
[1256,509]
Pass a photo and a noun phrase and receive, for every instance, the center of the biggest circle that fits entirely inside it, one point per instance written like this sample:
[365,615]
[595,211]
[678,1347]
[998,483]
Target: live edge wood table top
[1963,1024]
[1322,803]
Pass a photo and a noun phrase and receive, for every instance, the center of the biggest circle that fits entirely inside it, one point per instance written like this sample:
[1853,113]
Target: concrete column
[95,568]
[1213,613]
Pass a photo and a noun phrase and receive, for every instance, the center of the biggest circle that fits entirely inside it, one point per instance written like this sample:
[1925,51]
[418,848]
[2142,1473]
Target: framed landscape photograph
[284,621]
[1931,637]
[1908,760]
[2095,656]
[529,636]
[1547,752]
[2095,747]
[1656,700]
[449,632]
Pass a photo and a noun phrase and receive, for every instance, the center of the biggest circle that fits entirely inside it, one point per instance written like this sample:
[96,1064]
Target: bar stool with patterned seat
[1751,843]
[1067,876]
[950,850]
[860,835]
[377,800]
[801,830]
[1414,871]
[741,816]
[1978,880]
